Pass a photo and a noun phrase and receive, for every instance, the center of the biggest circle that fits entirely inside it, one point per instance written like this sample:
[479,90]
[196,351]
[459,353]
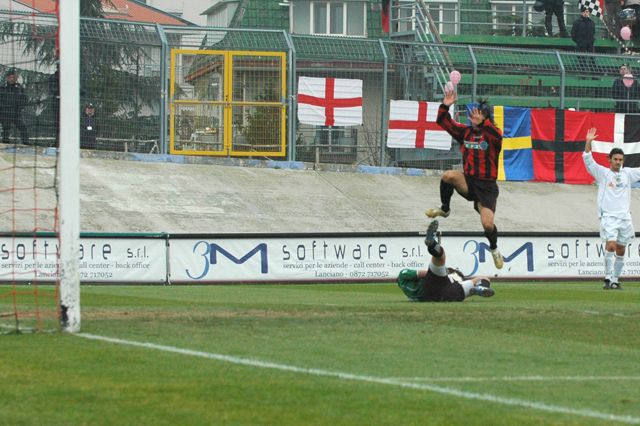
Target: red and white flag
[330,101]
[412,124]
[609,127]
[616,131]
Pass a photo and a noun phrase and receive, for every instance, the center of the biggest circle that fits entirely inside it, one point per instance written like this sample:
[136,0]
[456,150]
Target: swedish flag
[516,157]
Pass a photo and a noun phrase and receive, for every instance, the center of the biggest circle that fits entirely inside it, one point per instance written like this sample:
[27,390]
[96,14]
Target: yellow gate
[227,103]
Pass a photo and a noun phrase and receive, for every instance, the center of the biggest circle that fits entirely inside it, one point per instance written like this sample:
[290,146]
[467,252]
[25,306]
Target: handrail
[523,21]
[428,32]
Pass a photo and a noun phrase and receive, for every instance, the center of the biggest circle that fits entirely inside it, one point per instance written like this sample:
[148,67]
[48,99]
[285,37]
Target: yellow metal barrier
[227,103]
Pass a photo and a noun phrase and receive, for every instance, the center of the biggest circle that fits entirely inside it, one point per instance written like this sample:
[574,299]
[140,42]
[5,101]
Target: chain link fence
[347,59]
[120,76]
[127,75]
[29,104]
[228,93]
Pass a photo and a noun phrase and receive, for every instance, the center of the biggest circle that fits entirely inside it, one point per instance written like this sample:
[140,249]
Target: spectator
[583,33]
[635,5]
[555,7]
[626,97]
[612,8]
[12,102]
[88,129]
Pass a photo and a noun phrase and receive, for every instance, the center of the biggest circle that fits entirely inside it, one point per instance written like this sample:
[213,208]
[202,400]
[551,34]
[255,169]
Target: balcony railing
[499,17]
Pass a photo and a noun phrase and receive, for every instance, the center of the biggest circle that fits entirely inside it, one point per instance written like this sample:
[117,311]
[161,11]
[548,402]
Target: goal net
[39,230]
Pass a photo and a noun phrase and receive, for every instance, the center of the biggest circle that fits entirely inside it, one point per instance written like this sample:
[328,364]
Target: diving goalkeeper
[439,283]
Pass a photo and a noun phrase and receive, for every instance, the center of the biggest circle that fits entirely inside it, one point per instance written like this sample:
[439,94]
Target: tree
[93,8]
[111,54]
[40,38]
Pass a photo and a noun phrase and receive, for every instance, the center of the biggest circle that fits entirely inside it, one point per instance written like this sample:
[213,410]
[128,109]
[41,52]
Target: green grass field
[536,353]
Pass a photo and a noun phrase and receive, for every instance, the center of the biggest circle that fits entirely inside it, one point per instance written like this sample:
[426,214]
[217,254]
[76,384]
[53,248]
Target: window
[336,18]
[342,18]
[445,16]
[320,12]
[336,137]
[329,136]
[356,17]
[406,16]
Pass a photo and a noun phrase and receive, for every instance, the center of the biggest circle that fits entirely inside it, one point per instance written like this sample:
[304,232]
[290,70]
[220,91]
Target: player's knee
[487,225]
[452,176]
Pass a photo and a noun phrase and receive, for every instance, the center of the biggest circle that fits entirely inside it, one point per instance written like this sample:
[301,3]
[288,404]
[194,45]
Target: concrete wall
[148,193]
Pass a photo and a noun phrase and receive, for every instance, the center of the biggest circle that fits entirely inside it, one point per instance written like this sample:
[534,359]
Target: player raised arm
[591,135]
[596,170]
[455,129]
[450,97]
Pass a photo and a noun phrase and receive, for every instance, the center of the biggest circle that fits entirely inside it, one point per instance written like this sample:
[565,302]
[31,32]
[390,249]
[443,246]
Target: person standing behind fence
[88,127]
[12,101]
[583,33]
[554,7]
[626,97]
[611,19]
[635,5]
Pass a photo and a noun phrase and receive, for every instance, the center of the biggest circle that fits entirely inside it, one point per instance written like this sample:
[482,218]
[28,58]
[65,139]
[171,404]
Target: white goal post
[69,164]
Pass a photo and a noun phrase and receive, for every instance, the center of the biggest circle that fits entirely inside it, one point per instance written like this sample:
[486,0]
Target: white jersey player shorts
[615,229]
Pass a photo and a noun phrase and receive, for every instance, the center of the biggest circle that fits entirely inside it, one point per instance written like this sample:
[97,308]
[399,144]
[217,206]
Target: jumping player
[439,283]
[480,144]
[614,194]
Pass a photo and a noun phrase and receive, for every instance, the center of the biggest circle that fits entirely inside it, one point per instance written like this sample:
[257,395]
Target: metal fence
[126,74]
[498,18]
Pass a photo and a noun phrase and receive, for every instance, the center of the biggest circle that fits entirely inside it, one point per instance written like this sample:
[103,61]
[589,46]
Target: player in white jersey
[614,194]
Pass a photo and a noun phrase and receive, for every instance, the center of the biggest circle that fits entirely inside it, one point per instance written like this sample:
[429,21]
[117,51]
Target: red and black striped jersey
[480,147]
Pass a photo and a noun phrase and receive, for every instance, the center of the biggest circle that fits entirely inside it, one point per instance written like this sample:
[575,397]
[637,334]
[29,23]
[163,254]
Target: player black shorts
[482,191]
[441,289]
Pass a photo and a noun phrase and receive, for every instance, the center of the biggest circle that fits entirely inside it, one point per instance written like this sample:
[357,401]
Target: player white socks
[618,264]
[609,258]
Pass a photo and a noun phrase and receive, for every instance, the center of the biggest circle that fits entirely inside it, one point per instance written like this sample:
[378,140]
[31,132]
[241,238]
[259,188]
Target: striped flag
[330,101]
[412,124]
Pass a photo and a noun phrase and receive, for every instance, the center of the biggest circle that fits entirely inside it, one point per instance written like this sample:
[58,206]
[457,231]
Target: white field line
[519,379]
[372,379]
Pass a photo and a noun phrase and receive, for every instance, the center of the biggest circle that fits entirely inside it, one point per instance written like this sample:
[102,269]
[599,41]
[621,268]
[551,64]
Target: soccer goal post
[69,164]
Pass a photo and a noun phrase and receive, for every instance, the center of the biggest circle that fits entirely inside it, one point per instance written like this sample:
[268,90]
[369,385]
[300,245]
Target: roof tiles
[125,10]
